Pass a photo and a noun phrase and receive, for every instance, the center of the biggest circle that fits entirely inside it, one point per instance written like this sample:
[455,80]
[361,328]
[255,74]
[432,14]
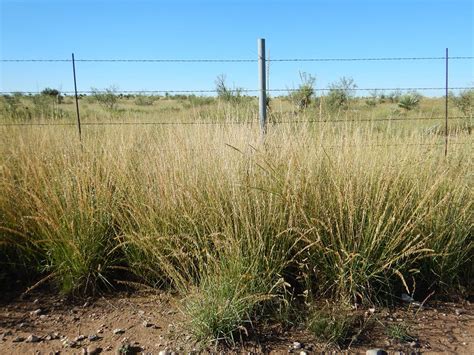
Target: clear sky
[229,29]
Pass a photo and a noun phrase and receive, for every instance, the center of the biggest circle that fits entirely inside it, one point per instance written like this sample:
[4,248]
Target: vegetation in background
[301,97]
[53,93]
[224,92]
[409,101]
[464,102]
[341,94]
[241,231]
[107,98]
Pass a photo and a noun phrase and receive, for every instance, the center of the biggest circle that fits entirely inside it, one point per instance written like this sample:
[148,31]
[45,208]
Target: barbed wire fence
[262,61]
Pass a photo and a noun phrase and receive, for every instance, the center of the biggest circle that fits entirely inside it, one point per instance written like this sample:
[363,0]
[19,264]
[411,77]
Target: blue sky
[229,29]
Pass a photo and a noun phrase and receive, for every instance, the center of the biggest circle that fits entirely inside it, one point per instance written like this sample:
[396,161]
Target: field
[332,210]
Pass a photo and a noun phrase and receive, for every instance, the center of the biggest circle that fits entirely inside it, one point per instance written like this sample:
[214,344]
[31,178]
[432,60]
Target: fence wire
[242,60]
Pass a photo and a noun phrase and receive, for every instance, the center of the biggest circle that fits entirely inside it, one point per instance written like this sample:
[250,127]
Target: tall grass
[237,227]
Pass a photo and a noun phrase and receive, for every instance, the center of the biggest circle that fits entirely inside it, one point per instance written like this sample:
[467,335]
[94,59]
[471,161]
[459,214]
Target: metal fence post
[262,86]
[446,110]
[77,99]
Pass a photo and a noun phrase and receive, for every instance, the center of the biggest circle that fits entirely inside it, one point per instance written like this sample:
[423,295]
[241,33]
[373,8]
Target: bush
[371,101]
[225,93]
[341,93]
[143,100]
[301,97]
[107,98]
[465,102]
[53,93]
[394,96]
[409,101]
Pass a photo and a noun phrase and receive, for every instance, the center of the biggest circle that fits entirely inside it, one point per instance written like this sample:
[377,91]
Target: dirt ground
[145,322]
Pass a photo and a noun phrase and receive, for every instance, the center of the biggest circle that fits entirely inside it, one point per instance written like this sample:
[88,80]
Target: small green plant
[341,93]
[107,98]
[409,101]
[332,326]
[399,331]
[301,97]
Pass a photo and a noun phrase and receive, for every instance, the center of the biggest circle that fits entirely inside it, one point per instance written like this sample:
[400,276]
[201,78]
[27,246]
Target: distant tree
[53,93]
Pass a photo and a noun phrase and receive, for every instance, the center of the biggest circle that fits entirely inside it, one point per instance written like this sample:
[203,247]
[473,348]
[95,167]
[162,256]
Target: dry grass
[349,211]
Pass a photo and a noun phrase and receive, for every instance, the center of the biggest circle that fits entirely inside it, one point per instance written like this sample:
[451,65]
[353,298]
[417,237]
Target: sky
[211,29]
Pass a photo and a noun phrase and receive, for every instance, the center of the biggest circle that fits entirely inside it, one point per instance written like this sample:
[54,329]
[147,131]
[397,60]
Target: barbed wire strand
[121,60]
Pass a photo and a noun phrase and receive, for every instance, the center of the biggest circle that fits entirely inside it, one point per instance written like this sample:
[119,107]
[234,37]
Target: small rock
[37,312]
[80,338]
[458,311]
[118,331]
[18,339]
[48,337]
[303,352]
[93,337]
[296,345]
[146,324]
[140,312]
[69,344]
[43,316]
[376,352]
[32,339]
[164,352]
[372,310]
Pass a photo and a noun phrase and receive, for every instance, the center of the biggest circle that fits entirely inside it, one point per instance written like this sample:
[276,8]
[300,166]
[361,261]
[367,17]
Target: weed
[400,332]
[333,326]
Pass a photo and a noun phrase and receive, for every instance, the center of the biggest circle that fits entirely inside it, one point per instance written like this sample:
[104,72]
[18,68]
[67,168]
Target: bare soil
[149,322]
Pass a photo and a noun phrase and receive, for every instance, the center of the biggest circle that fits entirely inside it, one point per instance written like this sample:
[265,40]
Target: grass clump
[399,332]
[334,327]
[224,304]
